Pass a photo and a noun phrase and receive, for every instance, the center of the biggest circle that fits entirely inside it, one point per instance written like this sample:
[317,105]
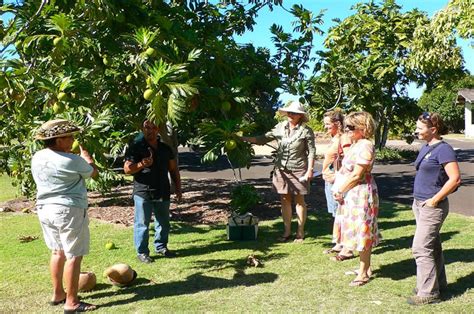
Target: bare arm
[259,140]
[311,153]
[352,180]
[329,157]
[176,177]
[454,180]
[88,158]
[132,168]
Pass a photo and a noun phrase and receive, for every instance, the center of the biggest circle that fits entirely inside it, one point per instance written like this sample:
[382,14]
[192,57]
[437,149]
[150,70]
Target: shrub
[243,198]
[393,154]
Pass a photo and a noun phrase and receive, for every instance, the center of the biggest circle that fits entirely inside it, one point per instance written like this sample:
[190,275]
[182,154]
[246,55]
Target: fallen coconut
[120,274]
[87,281]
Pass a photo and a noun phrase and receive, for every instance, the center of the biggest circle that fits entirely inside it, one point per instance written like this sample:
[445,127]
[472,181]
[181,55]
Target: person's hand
[85,154]
[328,175]
[338,196]
[430,203]
[148,161]
[179,196]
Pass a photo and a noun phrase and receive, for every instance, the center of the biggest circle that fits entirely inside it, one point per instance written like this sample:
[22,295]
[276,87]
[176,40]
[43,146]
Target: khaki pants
[430,272]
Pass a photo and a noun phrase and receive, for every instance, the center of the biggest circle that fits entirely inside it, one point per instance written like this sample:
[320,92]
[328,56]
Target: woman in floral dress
[355,189]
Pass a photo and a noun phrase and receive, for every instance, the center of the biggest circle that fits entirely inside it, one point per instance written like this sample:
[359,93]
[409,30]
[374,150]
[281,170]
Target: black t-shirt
[150,183]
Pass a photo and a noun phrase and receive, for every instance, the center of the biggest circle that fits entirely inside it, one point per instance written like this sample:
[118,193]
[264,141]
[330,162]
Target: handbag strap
[430,149]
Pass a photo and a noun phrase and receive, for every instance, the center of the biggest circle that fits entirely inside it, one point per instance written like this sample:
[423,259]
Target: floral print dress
[355,225]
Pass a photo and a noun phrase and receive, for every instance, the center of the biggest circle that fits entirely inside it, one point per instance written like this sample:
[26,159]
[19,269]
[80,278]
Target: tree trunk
[379,119]
[383,140]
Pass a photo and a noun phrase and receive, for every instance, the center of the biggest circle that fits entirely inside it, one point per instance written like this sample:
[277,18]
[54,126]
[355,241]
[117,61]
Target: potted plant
[242,225]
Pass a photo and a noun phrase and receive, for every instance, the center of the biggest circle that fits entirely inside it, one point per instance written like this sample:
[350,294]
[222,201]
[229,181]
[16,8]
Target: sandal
[54,303]
[331,251]
[358,282]
[299,240]
[341,258]
[284,239]
[355,272]
[82,307]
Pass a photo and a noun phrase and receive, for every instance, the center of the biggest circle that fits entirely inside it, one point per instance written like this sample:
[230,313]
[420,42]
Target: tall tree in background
[370,57]
[442,100]
[294,50]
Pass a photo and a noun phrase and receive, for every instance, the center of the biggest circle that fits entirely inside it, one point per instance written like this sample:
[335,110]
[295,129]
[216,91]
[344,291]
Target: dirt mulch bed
[205,201]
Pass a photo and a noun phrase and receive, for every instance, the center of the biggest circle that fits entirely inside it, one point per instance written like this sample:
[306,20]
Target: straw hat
[295,107]
[56,128]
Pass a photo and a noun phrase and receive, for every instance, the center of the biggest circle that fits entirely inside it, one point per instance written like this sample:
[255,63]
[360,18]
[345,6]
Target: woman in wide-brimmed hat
[61,202]
[293,164]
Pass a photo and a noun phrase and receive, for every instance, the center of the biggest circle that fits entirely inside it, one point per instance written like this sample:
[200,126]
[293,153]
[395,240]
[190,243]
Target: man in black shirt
[149,161]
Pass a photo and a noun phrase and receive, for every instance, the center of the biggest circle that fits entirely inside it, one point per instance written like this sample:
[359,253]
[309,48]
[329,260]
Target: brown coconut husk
[87,281]
[120,274]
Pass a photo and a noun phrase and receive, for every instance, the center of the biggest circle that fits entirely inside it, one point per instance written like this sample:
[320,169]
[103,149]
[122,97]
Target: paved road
[395,181]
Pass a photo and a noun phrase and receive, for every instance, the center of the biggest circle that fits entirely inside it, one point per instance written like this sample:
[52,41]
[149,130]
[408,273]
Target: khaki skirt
[287,182]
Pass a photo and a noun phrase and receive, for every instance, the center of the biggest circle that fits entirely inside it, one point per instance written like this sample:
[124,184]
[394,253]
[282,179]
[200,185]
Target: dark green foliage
[442,100]
[243,198]
[92,61]
[393,154]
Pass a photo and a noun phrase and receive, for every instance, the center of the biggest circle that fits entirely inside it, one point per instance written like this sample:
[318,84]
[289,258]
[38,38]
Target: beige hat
[295,107]
[120,274]
[56,128]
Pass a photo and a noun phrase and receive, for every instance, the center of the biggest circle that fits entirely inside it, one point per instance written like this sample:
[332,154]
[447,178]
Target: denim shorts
[332,204]
[65,228]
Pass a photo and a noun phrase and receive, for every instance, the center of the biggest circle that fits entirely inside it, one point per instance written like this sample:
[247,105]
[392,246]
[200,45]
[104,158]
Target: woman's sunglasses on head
[350,127]
[426,116]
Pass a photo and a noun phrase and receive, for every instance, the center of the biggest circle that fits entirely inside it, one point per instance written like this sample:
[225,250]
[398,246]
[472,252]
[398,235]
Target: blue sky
[261,35]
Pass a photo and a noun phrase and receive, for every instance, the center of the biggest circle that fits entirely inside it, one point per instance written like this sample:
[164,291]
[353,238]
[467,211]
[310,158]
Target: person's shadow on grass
[404,242]
[144,289]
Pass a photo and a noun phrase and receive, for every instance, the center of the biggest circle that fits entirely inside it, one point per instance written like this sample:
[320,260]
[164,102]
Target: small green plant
[243,198]
[392,154]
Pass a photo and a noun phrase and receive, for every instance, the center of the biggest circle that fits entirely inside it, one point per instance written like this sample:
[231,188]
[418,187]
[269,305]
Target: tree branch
[338,97]
[43,3]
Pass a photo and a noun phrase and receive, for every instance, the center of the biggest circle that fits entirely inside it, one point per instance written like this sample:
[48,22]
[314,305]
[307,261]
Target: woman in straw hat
[293,164]
[61,202]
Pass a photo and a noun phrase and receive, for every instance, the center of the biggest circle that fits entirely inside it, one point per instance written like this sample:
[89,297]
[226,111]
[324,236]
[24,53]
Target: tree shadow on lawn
[405,242]
[238,265]
[147,290]
[387,224]
[407,268]
[267,238]
[266,241]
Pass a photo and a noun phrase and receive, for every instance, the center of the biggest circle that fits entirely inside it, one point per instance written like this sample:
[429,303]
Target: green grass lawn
[8,192]
[211,274]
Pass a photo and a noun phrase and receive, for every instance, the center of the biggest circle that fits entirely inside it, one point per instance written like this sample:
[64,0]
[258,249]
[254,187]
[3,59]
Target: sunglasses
[350,127]
[426,116]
